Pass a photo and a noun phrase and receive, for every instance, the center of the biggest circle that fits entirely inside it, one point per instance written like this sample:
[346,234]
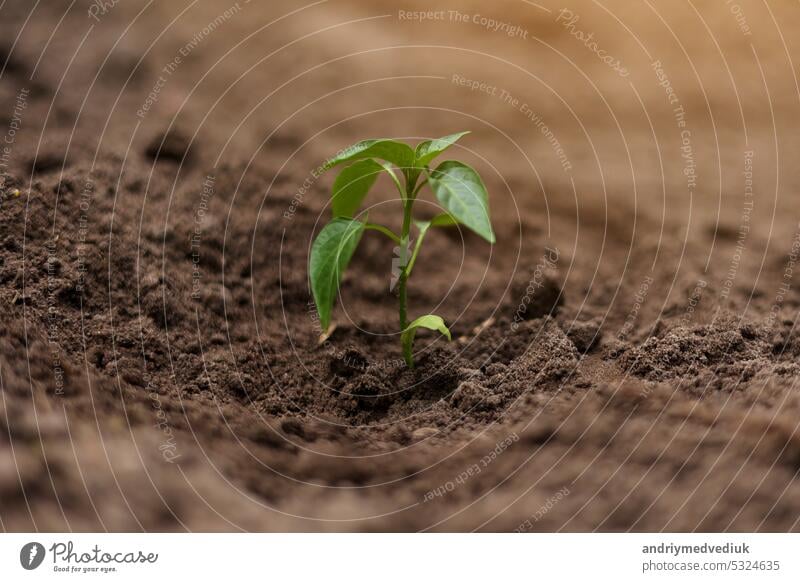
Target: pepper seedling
[458,188]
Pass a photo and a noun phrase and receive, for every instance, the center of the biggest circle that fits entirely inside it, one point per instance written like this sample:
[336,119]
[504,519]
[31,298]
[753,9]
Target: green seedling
[458,188]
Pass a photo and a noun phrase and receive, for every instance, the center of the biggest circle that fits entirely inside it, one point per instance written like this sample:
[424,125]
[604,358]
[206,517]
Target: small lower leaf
[330,255]
[432,322]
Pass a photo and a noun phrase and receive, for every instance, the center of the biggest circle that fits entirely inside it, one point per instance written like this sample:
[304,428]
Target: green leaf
[352,185]
[427,150]
[433,322]
[461,191]
[398,153]
[330,255]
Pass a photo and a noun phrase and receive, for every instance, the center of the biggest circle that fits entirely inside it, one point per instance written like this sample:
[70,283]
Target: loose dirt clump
[724,348]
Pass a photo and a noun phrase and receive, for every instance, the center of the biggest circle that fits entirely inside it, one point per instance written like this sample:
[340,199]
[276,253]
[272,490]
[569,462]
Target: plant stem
[404,258]
[417,246]
[403,299]
[419,187]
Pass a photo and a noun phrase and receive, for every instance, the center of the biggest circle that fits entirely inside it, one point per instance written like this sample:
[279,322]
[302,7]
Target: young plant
[457,186]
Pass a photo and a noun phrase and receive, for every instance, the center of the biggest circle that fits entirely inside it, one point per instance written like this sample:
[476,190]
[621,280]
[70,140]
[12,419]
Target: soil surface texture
[625,357]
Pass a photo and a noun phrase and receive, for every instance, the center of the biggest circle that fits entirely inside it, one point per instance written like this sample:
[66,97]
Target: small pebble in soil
[169,146]
[586,335]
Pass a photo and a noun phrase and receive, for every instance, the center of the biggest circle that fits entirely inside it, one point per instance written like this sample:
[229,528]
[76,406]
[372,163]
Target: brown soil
[624,358]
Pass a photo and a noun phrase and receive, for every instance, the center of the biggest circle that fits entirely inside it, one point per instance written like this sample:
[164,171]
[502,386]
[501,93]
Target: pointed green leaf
[433,322]
[461,191]
[398,153]
[427,150]
[352,185]
[330,255]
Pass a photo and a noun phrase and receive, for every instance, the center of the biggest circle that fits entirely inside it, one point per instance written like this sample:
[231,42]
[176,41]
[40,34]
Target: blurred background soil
[624,358]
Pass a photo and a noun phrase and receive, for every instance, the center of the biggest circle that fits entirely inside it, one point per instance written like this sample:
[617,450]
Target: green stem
[419,187]
[404,259]
[417,246]
[408,352]
[382,229]
[403,299]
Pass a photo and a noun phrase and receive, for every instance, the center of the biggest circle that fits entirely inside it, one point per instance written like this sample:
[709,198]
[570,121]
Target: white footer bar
[406,557]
